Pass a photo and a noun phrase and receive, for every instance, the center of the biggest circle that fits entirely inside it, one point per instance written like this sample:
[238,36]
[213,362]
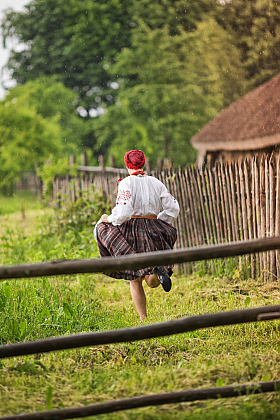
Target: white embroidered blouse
[143,196]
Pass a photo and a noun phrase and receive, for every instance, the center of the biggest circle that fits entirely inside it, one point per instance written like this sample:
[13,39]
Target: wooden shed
[248,126]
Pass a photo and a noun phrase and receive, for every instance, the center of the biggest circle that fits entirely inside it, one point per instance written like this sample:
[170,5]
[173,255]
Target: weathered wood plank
[263,215]
[248,191]
[254,214]
[128,262]
[277,214]
[272,184]
[215,205]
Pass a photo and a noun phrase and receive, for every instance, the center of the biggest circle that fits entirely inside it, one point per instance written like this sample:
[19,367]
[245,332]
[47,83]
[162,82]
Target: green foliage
[26,138]
[160,69]
[18,202]
[215,64]
[47,307]
[81,41]
[78,216]
[175,15]
[52,168]
[157,113]
[54,102]
[54,307]
[75,39]
[37,122]
[182,82]
[254,25]
[69,38]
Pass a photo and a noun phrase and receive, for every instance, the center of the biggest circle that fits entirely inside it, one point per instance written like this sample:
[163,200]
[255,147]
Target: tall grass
[45,307]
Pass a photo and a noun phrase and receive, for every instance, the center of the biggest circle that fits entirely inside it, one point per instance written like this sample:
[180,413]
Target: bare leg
[139,297]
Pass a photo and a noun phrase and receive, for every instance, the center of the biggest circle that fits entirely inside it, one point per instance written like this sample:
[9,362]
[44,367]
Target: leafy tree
[254,25]
[53,101]
[69,38]
[77,40]
[26,138]
[215,63]
[182,83]
[37,122]
[175,15]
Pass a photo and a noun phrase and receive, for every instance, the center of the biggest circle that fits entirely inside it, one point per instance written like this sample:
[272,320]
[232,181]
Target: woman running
[140,222]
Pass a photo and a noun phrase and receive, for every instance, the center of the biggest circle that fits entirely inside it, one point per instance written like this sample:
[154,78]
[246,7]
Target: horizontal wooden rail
[131,262]
[100,169]
[140,333]
[157,399]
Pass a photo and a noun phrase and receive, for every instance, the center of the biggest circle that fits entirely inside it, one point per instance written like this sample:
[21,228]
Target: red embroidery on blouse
[124,195]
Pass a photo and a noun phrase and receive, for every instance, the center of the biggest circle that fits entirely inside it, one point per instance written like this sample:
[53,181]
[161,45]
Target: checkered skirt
[133,237]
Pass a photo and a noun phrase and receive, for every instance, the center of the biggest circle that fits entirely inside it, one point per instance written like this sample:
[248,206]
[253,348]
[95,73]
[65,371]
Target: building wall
[225,156]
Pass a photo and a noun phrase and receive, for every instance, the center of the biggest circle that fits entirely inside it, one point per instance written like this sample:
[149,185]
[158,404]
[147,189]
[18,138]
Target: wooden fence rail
[141,260]
[162,329]
[150,400]
[229,202]
[150,331]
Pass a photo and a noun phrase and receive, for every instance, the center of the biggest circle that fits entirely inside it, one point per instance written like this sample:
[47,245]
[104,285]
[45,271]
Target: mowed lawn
[55,306]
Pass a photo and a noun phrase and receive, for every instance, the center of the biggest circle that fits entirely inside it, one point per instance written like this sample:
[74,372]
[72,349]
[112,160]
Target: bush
[68,233]
[80,215]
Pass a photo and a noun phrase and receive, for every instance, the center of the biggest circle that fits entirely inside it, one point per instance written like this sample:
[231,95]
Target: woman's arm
[123,209]
[170,207]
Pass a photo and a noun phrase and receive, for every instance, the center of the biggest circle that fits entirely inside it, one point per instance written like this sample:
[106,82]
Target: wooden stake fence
[226,203]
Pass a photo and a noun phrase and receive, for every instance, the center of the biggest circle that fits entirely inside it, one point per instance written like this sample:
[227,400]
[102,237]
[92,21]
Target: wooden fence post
[262,211]
[84,159]
[148,166]
[272,206]
[72,160]
[277,213]
[159,164]
[112,161]
[101,162]
[167,163]
[39,183]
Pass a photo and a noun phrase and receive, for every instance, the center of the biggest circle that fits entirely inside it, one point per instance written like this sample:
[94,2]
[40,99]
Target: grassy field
[18,203]
[37,308]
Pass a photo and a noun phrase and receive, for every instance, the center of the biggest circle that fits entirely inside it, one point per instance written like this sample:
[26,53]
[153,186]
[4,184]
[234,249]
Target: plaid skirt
[132,237]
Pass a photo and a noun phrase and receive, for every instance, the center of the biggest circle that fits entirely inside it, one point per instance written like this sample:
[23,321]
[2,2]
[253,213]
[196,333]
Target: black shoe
[164,279]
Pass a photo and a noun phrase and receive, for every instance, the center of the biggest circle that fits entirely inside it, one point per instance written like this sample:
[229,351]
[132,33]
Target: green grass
[37,308]
[19,202]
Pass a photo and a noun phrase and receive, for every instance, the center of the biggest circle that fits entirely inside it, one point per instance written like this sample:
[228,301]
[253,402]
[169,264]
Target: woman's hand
[104,218]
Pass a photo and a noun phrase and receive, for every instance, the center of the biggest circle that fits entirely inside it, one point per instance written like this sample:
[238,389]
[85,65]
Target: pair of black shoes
[164,278]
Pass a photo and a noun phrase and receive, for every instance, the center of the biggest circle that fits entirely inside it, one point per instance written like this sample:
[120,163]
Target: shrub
[79,216]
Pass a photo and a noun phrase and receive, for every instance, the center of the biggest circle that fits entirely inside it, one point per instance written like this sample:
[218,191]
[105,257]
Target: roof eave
[235,145]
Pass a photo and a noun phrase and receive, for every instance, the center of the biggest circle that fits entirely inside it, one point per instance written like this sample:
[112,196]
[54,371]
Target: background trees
[25,140]
[255,27]
[150,73]
[182,82]
[69,38]
[37,122]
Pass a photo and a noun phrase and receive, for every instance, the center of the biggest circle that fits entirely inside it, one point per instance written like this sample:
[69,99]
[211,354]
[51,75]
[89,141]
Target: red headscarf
[134,159]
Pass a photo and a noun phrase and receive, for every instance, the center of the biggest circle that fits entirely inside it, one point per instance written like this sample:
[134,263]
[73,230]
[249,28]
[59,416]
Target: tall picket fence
[225,203]
[66,187]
